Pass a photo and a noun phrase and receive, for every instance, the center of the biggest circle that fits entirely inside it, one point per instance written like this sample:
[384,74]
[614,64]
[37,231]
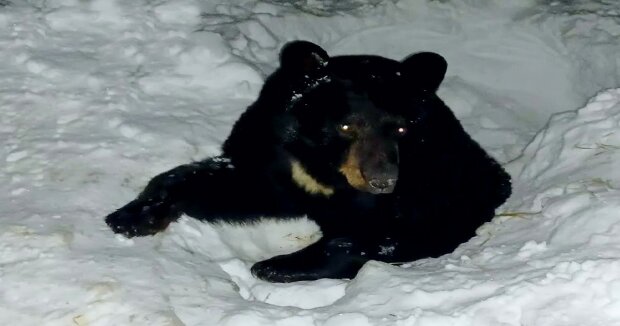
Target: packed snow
[98,96]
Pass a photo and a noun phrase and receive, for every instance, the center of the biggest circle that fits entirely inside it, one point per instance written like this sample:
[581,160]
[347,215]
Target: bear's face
[347,132]
[348,121]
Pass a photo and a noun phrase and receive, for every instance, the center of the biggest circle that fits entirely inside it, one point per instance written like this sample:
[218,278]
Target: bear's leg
[142,217]
[169,194]
[343,257]
[335,258]
[155,207]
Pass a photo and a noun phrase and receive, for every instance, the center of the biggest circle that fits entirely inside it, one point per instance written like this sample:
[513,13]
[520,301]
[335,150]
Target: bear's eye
[400,131]
[347,130]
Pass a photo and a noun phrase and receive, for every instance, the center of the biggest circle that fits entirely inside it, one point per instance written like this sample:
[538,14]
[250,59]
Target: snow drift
[98,96]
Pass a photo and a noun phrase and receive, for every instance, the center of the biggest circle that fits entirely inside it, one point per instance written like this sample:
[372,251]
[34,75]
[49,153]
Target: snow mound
[98,96]
[568,175]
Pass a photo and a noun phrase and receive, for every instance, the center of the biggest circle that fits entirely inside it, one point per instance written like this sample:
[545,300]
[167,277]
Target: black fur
[446,186]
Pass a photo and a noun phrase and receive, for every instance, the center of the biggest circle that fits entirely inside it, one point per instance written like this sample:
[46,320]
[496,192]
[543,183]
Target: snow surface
[97,96]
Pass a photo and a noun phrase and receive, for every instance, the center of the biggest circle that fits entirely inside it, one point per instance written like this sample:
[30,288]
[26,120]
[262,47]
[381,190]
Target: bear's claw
[141,218]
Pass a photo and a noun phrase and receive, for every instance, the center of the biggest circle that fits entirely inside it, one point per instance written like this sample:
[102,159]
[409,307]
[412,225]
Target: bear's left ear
[425,70]
[303,57]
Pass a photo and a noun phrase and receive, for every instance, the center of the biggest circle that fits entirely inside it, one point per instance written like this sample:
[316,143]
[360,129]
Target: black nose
[382,185]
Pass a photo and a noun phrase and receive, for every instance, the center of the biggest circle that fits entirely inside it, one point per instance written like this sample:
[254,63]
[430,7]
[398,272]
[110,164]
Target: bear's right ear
[425,70]
[302,57]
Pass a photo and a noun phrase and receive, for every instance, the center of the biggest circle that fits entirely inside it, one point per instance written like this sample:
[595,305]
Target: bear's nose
[382,185]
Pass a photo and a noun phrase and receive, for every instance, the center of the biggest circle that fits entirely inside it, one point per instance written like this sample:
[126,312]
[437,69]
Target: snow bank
[98,96]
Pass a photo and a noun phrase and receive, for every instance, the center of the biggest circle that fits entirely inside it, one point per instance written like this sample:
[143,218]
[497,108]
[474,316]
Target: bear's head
[347,117]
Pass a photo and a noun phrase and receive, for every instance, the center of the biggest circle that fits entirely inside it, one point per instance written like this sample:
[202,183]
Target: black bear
[359,144]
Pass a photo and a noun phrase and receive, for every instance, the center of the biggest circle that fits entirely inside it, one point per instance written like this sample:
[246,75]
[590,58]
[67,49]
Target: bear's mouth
[374,183]
[382,185]
[375,186]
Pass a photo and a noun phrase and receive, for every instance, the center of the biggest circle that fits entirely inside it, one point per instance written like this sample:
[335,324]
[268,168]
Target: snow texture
[98,96]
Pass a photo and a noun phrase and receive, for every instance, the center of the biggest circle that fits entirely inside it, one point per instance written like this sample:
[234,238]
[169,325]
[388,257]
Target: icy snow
[98,96]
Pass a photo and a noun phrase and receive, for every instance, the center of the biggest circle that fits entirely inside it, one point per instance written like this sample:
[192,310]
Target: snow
[98,96]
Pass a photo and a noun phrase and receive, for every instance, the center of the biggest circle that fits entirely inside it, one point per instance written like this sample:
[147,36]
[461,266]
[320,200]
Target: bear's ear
[425,70]
[302,57]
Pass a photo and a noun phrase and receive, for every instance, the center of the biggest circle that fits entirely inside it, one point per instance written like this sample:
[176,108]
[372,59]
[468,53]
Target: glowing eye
[401,130]
[345,127]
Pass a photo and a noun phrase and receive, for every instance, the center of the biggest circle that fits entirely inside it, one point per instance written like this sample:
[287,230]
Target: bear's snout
[381,177]
[379,164]
[382,185]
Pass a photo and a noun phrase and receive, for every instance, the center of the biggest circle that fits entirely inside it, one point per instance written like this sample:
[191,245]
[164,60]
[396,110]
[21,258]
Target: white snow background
[98,96]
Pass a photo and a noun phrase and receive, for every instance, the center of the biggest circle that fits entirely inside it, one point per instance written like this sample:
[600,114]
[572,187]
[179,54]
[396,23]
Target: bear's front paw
[282,269]
[140,218]
[323,259]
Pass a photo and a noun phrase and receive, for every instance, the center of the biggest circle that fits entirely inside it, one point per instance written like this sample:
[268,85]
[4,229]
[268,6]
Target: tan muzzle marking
[351,170]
